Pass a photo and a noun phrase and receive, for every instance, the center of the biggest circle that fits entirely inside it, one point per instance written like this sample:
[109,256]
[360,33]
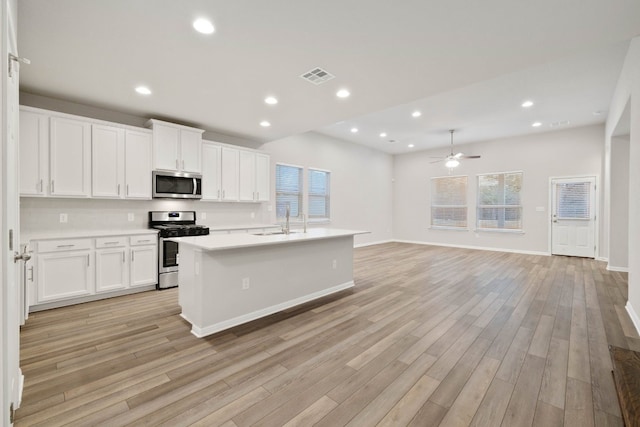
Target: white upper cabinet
[263,174]
[34,153]
[70,157]
[137,173]
[230,174]
[247,176]
[175,147]
[121,163]
[107,161]
[211,171]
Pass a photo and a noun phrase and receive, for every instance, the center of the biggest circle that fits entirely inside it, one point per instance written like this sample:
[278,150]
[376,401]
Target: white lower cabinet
[144,265]
[68,269]
[63,275]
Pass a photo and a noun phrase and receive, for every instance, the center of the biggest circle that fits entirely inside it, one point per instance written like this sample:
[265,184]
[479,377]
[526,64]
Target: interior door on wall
[573,223]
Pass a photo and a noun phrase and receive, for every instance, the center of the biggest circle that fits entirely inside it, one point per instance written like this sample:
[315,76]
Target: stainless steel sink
[274,233]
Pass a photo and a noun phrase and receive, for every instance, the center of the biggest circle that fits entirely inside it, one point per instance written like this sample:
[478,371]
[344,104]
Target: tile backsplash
[42,215]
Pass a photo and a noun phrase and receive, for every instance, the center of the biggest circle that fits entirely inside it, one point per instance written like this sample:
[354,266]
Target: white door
[64,275]
[211,169]
[111,269]
[263,170]
[144,265]
[11,376]
[34,153]
[70,157]
[247,183]
[230,173]
[190,146]
[573,226]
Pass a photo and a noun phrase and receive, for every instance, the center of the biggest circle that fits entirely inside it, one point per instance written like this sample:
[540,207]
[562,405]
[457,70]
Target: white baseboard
[221,326]
[479,248]
[620,269]
[634,317]
[601,258]
[379,242]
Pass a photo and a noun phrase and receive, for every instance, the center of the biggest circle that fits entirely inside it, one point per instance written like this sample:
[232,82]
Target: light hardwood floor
[429,336]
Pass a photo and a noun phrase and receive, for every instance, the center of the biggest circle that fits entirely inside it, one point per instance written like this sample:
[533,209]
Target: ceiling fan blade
[459,155]
[437,161]
[470,157]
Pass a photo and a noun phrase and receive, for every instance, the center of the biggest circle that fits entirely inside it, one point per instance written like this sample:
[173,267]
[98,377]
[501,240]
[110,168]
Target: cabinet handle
[88,262]
[218,194]
[65,246]
[257,195]
[127,189]
[110,243]
[133,258]
[123,257]
[31,270]
[146,240]
[52,186]
[118,189]
[223,194]
[183,165]
[41,186]
[177,166]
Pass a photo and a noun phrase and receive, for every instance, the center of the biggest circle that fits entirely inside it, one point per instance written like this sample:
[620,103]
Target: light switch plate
[131,216]
[203,215]
[63,217]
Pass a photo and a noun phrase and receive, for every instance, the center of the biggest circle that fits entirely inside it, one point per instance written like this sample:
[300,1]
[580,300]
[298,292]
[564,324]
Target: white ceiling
[466,65]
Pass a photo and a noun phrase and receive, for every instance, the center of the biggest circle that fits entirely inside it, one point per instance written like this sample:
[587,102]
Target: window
[573,200]
[319,183]
[449,202]
[499,204]
[288,190]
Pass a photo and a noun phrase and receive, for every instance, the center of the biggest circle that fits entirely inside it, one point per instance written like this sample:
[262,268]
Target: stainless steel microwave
[177,185]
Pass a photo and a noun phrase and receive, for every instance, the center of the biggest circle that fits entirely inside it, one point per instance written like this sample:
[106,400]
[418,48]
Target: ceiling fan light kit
[452,161]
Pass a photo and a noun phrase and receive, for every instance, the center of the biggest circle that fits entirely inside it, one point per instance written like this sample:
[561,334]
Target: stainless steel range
[172,224]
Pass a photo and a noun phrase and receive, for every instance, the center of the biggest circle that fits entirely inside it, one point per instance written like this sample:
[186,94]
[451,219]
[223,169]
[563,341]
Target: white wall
[361,187]
[627,93]
[572,152]
[619,205]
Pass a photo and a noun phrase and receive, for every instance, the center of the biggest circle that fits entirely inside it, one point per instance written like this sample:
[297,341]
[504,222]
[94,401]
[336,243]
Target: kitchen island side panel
[279,276]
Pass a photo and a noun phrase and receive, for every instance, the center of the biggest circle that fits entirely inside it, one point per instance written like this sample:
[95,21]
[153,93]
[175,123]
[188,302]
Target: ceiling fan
[453,160]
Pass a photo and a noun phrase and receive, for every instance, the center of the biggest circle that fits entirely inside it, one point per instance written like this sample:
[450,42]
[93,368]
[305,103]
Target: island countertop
[235,241]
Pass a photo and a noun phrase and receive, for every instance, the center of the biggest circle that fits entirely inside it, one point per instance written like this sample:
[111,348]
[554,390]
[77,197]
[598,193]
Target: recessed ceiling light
[383,134]
[354,130]
[343,93]
[416,114]
[536,124]
[203,26]
[271,100]
[527,104]
[410,145]
[143,90]
[265,124]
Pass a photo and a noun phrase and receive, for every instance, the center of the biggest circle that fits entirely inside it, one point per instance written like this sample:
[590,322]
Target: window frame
[465,206]
[327,196]
[520,206]
[300,194]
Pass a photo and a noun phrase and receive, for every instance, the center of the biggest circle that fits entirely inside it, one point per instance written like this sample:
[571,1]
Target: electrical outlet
[63,217]
[334,264]
[203,215]
[269,208]
[245,283]
[131,216]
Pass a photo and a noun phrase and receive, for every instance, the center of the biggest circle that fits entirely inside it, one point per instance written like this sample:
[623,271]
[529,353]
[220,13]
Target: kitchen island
[228,280]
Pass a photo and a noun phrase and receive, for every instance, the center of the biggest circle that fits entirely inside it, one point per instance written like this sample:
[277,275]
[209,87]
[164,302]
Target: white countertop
[79,234]
[219,242]
[240,227]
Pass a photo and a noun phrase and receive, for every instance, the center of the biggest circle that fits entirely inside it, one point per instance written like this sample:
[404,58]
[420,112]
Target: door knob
[24,256]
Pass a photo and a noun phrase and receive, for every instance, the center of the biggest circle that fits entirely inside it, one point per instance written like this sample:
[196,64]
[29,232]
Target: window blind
[449,202]
[288,190]
[499,203]
[319,195]
[573,200]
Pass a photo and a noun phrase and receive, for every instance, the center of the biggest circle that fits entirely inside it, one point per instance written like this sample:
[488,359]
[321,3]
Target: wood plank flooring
[429,336]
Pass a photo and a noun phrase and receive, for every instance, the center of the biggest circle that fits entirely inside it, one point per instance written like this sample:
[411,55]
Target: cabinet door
[107,161]
[64,275]
[137,157]
[70,157]
[230,173]
[166,141]
[144,265]
[111,269]
[263,174]
[211,173]
[34,147]
[247,176]
[190,146]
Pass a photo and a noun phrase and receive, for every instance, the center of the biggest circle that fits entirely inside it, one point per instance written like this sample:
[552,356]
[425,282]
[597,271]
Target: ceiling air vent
[317,76]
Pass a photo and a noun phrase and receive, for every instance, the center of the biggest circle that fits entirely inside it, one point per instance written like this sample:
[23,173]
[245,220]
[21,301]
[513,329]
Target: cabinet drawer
[63,245]
[144,239]
[111,242]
